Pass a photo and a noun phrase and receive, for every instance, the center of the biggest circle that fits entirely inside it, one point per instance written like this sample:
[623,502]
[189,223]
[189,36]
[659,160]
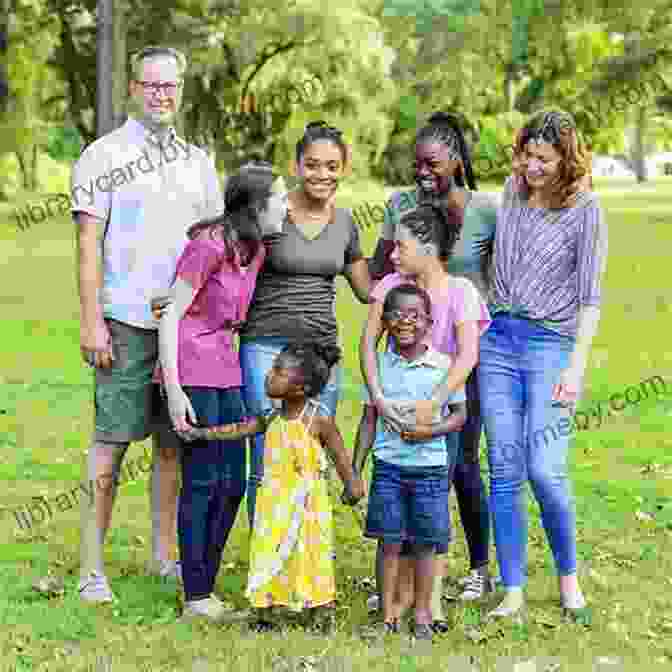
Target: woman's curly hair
[574,171]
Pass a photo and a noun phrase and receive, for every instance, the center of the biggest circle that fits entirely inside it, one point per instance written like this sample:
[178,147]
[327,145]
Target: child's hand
[357,488]
[191,434]
[159,304]
[179,408]
[419,433]
[354,491]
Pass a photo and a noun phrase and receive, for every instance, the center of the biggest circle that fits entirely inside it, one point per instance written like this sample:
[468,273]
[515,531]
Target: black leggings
[472,499]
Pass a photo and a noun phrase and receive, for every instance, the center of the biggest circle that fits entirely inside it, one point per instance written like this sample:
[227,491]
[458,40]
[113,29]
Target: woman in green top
[443,172]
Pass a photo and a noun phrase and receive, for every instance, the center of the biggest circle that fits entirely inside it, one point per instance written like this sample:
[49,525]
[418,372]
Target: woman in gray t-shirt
[295,295]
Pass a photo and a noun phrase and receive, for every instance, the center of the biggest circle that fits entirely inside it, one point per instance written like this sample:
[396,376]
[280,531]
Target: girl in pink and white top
[214,282]
[423,243]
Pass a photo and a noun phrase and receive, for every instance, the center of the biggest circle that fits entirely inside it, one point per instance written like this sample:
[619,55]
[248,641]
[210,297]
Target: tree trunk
[509,87]
[104,67]
[4,38]
[633,47]
[33,169]
[24,169]
[120,81]
[638,157]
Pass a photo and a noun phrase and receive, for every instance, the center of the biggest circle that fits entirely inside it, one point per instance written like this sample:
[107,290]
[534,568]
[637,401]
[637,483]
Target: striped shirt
[548,264]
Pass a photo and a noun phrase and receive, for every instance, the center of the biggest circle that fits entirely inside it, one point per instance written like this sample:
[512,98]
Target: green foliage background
[385,66]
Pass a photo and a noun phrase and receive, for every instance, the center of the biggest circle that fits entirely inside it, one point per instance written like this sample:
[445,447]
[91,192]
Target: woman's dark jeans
[213,485]
[469,487]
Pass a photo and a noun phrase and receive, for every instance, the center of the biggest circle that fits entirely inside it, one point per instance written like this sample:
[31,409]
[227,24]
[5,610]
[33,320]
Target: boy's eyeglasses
[398,316]
[167,88]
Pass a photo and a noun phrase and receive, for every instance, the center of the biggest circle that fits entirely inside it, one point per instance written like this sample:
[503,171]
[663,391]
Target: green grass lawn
[622,469]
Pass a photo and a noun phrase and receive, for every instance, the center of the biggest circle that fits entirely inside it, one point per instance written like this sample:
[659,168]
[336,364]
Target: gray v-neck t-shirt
[295,295]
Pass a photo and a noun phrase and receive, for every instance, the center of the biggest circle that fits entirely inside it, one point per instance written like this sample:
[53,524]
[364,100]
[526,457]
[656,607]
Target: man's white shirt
[148,193]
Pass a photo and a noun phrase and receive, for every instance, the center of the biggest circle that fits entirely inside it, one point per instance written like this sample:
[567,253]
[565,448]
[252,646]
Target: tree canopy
[259,71]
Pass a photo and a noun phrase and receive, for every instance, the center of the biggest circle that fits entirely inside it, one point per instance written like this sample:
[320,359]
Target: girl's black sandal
[440,627]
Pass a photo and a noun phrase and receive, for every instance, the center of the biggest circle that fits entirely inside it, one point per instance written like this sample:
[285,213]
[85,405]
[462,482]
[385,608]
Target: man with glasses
[135,193]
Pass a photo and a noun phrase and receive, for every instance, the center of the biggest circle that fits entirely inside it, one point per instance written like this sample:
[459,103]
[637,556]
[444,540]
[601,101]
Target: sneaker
[207,609]
[423,631]
[373,604]
[440,627]
[475,586]
[95,588]
[167,569]
[516,614]
[260,626]
[381,630]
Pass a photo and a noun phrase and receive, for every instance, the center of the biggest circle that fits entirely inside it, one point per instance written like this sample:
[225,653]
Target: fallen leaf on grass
[597,578]
[618,628]
[624,562]
[474,634]
[604,660]
[307,663]
[546,621]
[643,516]
[50,586]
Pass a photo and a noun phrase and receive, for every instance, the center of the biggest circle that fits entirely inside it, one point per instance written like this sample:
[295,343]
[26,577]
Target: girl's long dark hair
[246,192]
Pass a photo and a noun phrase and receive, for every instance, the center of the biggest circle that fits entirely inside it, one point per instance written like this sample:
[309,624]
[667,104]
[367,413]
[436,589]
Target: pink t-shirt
[206,354]
[457,301]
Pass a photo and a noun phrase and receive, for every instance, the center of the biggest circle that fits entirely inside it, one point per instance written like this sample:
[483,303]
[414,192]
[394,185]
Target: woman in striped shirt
[549,258]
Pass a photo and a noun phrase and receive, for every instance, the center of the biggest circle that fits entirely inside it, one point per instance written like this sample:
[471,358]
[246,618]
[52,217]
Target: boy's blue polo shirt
[403,379]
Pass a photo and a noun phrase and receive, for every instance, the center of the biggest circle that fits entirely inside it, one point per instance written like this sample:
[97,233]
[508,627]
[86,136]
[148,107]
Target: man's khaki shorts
[128,405]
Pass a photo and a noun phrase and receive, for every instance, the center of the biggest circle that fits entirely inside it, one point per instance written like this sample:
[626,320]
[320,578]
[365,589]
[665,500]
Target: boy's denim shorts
[409,504]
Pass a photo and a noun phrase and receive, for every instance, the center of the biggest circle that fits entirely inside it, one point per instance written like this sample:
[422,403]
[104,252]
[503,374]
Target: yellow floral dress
[291,548]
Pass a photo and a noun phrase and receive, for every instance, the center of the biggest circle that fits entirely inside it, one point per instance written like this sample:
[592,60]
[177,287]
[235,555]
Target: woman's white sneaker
[207,608]
[95,588]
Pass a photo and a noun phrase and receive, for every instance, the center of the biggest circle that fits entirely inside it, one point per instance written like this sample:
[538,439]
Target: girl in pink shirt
[214,281]
[423,242]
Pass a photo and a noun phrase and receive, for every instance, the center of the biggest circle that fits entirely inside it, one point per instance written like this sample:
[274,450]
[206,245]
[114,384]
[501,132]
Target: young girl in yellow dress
[291,548]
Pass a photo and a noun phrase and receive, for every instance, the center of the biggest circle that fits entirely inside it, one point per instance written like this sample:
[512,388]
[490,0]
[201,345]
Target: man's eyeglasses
[410,316]
[167,88]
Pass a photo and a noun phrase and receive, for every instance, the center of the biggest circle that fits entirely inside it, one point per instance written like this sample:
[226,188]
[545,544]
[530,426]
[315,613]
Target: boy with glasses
[408,502]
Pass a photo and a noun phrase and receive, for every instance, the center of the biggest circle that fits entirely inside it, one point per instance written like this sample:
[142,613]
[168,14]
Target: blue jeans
[256,360]
[409,504]
[520,362]
[213,485]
